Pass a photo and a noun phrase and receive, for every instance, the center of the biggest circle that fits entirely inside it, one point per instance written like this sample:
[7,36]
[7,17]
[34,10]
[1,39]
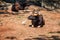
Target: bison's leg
[42,23]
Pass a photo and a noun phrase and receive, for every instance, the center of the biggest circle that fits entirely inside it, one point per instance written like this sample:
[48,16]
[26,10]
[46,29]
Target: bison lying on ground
[37,20]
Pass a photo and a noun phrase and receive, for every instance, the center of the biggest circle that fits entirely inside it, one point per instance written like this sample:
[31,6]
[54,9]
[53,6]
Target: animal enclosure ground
[11,26]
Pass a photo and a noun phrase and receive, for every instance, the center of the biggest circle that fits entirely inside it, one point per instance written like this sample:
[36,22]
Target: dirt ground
[11,27]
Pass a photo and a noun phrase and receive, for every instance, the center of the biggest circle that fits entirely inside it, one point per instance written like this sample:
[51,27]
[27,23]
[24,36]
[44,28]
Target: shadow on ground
[44,38]
[55,32]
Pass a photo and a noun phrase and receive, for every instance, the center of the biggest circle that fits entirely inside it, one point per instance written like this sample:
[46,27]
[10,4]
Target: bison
[37,20]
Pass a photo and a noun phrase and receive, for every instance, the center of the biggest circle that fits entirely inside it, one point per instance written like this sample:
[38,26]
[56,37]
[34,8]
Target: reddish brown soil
[10,25]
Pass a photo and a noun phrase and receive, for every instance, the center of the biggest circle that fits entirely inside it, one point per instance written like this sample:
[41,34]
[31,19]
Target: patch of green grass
[19,16]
